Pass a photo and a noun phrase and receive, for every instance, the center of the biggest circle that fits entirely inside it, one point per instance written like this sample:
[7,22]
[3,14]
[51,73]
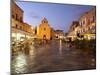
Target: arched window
[16,17]
[12,15]
[20,19]
[16,26]
[44,29]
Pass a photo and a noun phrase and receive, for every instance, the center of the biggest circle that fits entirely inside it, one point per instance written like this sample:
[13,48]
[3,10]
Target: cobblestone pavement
[55,56]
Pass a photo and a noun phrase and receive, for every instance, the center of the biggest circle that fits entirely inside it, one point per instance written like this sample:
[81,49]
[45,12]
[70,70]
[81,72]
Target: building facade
[20,30]
[73,31]
[59,34]
[44,31]
[88,24]
[85,28]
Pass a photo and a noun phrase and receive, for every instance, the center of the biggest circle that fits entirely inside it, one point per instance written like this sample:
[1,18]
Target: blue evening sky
[59,16]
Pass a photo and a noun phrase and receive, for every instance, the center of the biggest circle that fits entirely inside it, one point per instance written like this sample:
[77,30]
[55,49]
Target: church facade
[44,30]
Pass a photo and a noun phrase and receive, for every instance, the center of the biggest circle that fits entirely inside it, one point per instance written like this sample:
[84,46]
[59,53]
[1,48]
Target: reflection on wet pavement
[19,63]
[51,57]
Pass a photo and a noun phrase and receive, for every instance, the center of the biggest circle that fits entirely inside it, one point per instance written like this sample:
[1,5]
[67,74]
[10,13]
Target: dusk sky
[59,16]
